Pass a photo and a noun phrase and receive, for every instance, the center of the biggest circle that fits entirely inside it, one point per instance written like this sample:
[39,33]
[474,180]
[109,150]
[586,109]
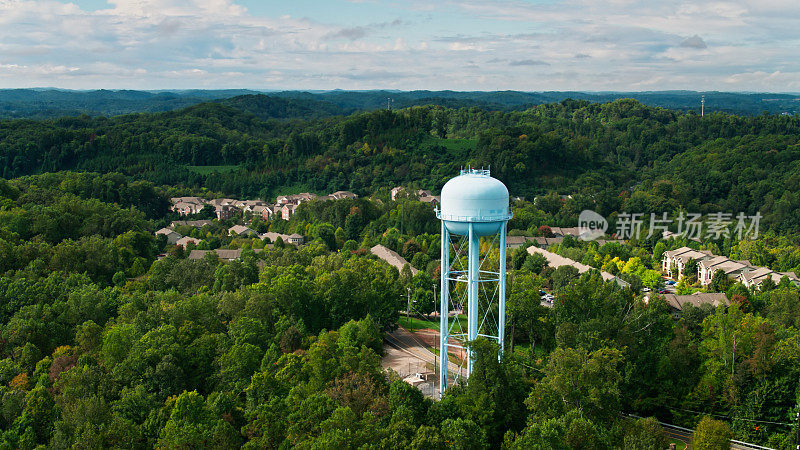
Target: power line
[729,417]
[668,397]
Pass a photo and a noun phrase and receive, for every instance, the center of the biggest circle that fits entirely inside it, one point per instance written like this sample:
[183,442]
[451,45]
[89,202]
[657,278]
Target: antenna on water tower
[474,205]
[702,106]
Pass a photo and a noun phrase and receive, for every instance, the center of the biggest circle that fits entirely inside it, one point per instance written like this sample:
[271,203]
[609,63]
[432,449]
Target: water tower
[474,212]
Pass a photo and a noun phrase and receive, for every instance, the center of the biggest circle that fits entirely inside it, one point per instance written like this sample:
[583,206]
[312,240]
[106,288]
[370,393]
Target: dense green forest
[618,156]
[53,103]
[106,344]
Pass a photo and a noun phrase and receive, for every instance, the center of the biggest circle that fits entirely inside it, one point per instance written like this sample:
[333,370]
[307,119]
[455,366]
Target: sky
[486,45]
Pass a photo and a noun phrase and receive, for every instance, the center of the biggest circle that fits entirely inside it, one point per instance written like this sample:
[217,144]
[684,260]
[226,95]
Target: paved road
[406,341]
[686,435]
[683,436]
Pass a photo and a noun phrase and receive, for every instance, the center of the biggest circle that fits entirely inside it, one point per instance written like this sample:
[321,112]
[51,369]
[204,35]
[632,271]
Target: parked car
[664,291]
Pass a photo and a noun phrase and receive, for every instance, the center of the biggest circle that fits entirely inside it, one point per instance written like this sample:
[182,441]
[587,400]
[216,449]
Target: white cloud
[694,42]
[571,44]
[776,80]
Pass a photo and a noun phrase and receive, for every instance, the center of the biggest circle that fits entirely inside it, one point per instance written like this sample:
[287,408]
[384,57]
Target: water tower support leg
[444,316]
[501,323]
[472,300]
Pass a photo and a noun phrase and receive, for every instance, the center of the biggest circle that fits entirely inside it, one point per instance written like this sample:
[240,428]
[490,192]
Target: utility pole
[434,298]
[408,309]
[436,359]
[401,217]
[797,428]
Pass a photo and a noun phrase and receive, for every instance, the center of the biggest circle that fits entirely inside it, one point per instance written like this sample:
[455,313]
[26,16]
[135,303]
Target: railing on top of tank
[471,171]
[494,217]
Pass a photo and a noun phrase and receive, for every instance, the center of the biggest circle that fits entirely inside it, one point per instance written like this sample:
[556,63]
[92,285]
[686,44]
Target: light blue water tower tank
[474,197]
[474,205]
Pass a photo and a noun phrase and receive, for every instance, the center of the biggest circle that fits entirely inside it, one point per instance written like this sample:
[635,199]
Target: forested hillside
[44,103]
[111,337]
[52,103]
[106,345]
[611,157]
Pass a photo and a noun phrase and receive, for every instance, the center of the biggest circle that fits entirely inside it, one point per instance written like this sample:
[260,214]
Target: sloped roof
[273,236]
[759,272]
[697,299]
[187,239]
[391,257]
[556,260]
[222,253]
[707,263]
[519,240]
[565,231]
[729,266]
[677,251]
[190,223]
[343,194]
[195,200]
[241,229]
[692,254]
[167,232]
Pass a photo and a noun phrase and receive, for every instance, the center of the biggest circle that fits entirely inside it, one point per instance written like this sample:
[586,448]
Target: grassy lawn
[526,349]
[679,445]
[457,147]
[432,324]
[418,323]
[205,170]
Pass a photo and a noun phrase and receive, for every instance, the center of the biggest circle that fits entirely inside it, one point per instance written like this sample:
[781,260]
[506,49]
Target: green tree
[527,317]
[340,236]
[575,379]
[711,434]
[39,414]
[191,424]
[426,438]
[690,268]
[117,342]
[461,434]
[327,233]
[239,363]
[783,307]
[652,279]
[645,434]
[518,256]
[493,397]
[422,295]
[658,254]
[534,263]
[563,275]
[720,281]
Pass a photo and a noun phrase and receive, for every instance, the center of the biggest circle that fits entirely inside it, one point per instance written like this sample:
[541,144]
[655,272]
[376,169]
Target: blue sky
[590,45]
